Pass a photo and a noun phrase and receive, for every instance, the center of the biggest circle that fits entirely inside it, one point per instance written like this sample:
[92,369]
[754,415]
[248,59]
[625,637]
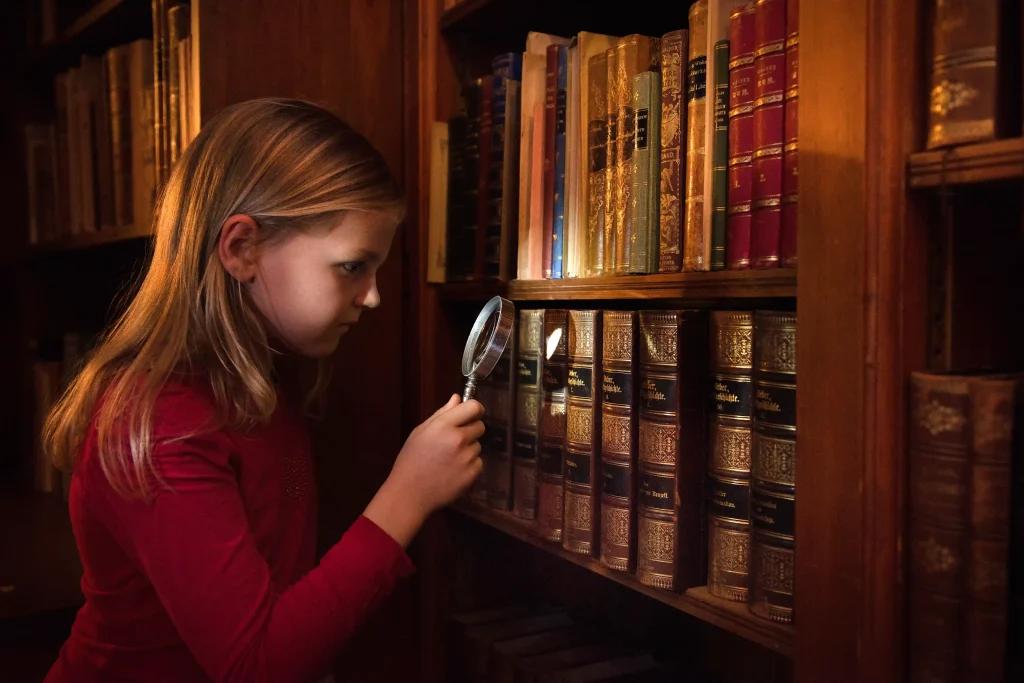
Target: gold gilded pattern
[615,433]
[527,409]
[772,582]
[579,425]
[550,511]
[935,557]
[730,448]
[530,329]
[614,537]
[774,459]
[658,442]
[938,418]
[694,258]
[656,546]
[525,487]
[581,333]
[552,421]
[733,339]
[728,562]
[950,95]
[658,332]
[618,335]
[775,342]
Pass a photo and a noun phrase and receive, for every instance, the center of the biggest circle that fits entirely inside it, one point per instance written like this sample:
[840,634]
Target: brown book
[161,76]
[674,59]
[732,396]
[773,466]
[696,245]
[582,433]
[179,22]
[531,669]
[500,423]
[975,72]
[597,166]
[530,373]
[672,450]
[551,481]
[619,439]
[116,63]
[611,219]
[480,639]
[505,653]
[143,163]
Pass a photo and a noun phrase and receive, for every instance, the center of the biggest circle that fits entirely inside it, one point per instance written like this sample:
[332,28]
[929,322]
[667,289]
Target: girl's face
[311,288]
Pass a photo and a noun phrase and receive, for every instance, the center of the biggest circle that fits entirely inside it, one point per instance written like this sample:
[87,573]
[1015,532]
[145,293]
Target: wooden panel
[346,56]
[967,164]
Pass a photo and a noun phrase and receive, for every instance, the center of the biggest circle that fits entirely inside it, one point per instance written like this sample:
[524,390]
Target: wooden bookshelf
[698,602]
[87,240]
[968,164]
[728,284]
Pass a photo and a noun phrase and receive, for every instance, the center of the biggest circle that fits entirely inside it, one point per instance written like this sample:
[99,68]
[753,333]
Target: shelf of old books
[969,163]
[725,284]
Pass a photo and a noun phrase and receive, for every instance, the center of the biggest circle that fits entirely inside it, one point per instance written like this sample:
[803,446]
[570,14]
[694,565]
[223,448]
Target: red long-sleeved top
[217,579]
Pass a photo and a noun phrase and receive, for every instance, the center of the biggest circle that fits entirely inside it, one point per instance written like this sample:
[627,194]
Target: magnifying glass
[486,342]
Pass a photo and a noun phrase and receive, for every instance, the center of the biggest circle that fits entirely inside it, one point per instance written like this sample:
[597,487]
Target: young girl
[192,499]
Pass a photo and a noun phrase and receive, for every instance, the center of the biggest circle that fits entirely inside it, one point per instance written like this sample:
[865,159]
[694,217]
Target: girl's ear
[236,247]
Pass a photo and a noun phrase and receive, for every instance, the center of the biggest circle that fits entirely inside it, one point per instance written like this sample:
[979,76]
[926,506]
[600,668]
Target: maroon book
[741,136]
[787,238]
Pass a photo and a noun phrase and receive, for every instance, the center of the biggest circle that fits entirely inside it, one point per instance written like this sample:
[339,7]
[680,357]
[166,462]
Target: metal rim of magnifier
[505,311]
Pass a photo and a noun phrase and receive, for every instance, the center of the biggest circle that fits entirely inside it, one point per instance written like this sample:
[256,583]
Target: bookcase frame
[861,293]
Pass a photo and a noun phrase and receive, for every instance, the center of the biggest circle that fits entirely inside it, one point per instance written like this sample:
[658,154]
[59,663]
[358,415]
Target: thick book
[696,245]
[672,448]
[611,218]
[529,376]
[551,454]
[790,175]
[582,433]
[720,156]
[499,420]
[619,397]
[742,77]
[732,400]
[505,653]
[646,93]
[674,54]
[502,165]
[597,161]
[773,466]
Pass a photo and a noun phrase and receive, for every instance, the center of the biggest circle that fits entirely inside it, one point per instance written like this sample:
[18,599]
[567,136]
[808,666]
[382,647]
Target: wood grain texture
[968,164]
[348,57]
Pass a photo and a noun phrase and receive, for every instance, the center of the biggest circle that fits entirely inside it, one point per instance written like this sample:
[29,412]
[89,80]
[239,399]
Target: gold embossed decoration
[658,442]
[655,551]
[615,537]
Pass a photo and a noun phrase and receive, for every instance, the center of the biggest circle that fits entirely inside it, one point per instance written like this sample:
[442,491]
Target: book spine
[671,452]
[504,67]
[773,466]
[508,207]
[742,77]
[143,172]
[583,427]
[460,164]
[529,371]
[627,52]
[558,251]
[674,50]
[499,421]
[646,89]
[720,156]
[551,483]
[483,178]
[611,217]
[597,159]
[732,396]
[790,178]
[116,64]
[769,93]
[178,25]
[618,439]
[550,118]
[696,103]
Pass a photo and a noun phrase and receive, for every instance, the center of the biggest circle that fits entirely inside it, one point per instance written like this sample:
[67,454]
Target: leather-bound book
[975,72]
[732,397]
[554,386]
[611,218]
[583,433]
[480,639]
[773,466]
[741,136]
[483,202]
[505,653]
[500,423]
[503,167]
[696,245]
[597,159]
[619,439]
[464,185]
[634,54]
[790,177]
[530,373]
[720,155]
[672,448]
[674,55]
[769,94]
[534,669]
[646,93]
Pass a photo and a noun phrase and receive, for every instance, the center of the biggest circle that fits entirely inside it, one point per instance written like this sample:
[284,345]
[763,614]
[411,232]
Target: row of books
[538,642]
[613,155]
[620,432]
[120,121]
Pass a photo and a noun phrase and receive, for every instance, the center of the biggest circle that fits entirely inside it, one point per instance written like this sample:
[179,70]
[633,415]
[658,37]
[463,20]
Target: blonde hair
[289,165]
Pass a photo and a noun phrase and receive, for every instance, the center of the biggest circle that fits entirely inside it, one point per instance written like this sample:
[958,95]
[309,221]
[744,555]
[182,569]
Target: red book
[769,94]
[741,136]
[787,239]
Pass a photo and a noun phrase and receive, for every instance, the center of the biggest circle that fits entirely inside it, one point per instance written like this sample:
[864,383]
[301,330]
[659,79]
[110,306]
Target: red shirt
[217,579]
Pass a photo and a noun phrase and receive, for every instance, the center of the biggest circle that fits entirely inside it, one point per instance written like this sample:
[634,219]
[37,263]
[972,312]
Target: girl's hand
[438,464]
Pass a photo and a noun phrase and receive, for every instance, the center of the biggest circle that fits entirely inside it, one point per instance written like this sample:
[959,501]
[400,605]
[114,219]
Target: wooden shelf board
[968,164]
[727,284]
[91,239]
[733,617]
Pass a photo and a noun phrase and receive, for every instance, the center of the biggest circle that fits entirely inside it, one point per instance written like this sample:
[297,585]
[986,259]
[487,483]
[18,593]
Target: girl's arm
[194,544]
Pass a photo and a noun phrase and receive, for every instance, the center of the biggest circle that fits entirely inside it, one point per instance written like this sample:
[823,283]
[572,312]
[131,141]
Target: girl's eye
[353,267]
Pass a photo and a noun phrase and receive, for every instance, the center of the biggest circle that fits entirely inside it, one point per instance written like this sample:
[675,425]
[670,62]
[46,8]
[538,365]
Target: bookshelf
[862,297]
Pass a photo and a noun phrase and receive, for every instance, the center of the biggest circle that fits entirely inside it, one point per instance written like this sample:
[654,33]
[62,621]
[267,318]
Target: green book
[720,156]
[646,189]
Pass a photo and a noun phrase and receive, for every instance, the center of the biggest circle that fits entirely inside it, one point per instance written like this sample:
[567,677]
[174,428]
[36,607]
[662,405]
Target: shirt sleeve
[194,544]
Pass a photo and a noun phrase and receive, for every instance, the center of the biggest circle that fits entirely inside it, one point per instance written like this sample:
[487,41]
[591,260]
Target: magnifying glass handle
[470,390]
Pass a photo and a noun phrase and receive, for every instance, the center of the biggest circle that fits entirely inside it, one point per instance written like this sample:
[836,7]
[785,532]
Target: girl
[192,500]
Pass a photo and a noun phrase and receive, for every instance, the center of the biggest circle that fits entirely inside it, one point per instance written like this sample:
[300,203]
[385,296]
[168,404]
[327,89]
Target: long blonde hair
[288,164]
